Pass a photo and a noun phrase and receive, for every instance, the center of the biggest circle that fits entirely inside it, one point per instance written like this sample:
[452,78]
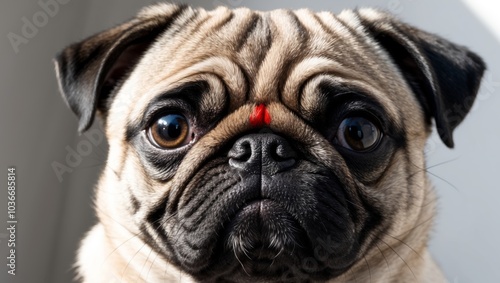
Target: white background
[36,128]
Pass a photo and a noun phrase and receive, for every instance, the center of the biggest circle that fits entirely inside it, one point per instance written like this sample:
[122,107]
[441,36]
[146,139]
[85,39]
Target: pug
[281,146]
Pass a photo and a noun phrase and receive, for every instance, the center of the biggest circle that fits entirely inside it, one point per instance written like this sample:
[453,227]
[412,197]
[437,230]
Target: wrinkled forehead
[266,56]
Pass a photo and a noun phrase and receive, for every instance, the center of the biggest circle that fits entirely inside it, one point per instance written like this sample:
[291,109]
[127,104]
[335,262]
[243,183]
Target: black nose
[263,153]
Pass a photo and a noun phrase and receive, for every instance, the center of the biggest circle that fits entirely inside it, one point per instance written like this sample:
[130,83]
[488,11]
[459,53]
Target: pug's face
[265,146]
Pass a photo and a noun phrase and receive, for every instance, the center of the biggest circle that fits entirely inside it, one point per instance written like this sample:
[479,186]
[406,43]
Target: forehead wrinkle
[309,68]
[230,35]
[287,46]
[253,46]
[343,43]
[321,41]
[364,54]
[332,25]
[222,67]
[183,46]
[348,34]
[215,20]
[215,37]
[365,48]
[179,38]
[220,39]
[387,77]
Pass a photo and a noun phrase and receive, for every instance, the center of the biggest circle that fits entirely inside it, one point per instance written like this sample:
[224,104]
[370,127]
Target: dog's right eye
[358,134]
[170,131]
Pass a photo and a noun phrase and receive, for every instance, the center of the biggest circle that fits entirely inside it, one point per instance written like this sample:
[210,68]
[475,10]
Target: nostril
[280,151]
[240,156]
[276,152]
[273,152]
[246,152]
[241,151]
[283,158]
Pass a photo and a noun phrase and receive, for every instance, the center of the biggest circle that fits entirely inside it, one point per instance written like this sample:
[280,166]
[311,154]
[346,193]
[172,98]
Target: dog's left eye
[358,134]
[170,131]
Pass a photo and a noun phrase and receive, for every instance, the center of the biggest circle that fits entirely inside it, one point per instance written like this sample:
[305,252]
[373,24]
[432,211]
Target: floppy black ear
[444,76]
[88,71]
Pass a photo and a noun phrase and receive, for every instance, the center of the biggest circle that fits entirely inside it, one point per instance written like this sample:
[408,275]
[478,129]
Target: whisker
[382,253]
[396,253]
[147,259]
[369,269]
[151,266]
[425,169]
[131,259]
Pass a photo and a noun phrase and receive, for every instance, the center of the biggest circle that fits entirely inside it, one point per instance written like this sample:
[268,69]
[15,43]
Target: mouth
[265,239]
[268,242]
[262,230]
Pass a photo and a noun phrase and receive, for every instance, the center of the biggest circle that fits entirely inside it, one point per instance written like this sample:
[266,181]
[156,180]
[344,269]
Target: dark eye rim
[367,116]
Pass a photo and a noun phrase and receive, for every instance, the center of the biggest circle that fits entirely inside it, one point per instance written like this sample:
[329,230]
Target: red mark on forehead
[260,116]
